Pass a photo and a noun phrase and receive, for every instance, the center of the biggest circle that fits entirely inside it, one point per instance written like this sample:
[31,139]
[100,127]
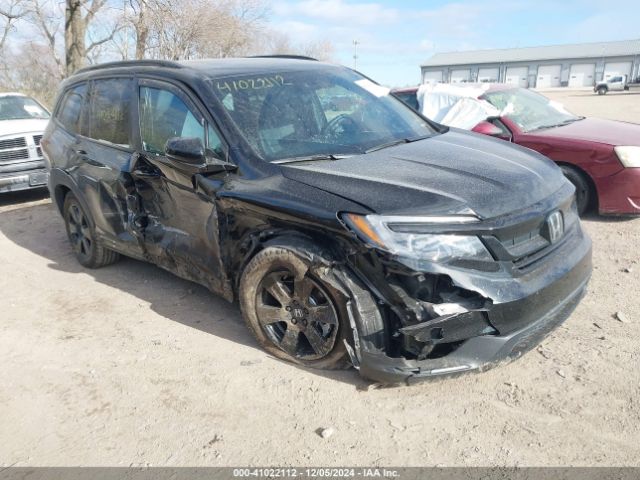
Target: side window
[214,143]
[71,108]
[164,115]
[110,112]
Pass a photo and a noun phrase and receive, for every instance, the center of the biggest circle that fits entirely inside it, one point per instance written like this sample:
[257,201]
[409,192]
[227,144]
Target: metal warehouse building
[579,65]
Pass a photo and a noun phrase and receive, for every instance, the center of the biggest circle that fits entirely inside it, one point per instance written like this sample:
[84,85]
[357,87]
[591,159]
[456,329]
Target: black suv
[349,228]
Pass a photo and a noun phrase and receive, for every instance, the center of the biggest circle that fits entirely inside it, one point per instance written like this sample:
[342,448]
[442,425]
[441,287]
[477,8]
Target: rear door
[105,149]
[181,231]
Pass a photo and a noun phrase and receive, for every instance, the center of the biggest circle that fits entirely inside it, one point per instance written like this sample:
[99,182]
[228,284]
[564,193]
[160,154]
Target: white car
[22,123]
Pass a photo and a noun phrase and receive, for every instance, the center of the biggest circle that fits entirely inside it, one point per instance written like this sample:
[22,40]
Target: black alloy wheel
[79,231]
[89,252]
[297,315]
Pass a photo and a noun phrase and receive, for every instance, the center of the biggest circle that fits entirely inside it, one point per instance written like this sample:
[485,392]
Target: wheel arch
[257,241]
[367,324]
[60,184]
[595,202]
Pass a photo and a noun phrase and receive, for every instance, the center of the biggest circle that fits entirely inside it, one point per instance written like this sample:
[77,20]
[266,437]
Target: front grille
[526,262]
[525,243]
[22,154]
[13,143]
[528,242]
[14,150]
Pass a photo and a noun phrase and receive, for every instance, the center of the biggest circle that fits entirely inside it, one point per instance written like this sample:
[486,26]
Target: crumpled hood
[445,174]
[598,130]
[17,127]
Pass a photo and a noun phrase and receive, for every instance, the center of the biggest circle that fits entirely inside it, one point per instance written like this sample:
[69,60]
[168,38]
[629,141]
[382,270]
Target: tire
[602,90]
[82,236]
[294,315]
[584,193]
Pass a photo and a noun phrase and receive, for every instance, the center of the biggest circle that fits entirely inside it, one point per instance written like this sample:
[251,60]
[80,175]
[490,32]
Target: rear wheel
[294,315]
[82,236]
[584,194]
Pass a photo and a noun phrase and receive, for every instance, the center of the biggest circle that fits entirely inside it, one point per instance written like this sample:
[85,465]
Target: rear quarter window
[70,110]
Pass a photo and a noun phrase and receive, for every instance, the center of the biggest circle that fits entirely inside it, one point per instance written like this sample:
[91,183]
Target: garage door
[488,75]
[582,75]
[548,76]
[617,68]
[460,76]
[517,76]
[432,77]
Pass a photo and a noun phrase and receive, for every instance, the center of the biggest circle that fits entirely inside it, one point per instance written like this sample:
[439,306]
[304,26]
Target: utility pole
[355,54]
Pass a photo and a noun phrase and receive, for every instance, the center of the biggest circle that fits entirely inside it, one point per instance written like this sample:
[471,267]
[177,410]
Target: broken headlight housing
[393,234]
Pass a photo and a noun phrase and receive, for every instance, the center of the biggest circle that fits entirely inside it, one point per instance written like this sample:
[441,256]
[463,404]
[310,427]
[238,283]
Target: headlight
[629,156]
[379,231]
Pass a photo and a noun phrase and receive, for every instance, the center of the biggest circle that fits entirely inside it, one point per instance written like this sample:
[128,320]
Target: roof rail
[291,57]
[130,63]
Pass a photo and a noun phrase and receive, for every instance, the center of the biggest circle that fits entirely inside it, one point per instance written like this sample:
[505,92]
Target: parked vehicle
[408,96]
[600,157]
[22,123]
[372,237]
[616,83]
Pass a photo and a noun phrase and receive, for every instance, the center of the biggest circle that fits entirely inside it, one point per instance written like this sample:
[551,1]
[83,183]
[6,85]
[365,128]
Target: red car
[600,157]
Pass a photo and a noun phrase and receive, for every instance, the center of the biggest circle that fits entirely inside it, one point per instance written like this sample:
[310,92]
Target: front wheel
[583,188]
[602,90]
[293,314]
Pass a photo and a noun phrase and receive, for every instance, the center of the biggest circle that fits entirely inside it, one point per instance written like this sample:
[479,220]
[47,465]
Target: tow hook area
[451,322]
[436,315]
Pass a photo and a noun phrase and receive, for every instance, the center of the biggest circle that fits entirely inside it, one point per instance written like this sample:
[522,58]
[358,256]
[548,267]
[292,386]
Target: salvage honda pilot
[349,228]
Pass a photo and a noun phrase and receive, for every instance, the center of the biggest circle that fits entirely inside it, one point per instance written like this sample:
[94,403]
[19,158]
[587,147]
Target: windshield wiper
[565,122]
[311,158]
[396,142]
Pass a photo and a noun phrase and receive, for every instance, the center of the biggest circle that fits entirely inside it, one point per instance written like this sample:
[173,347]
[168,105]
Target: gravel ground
[129,365]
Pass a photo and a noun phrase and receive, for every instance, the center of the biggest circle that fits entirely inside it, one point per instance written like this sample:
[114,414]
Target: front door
[179,224]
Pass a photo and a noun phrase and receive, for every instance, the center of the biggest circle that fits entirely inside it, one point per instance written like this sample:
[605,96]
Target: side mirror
[485,127]
[185,150]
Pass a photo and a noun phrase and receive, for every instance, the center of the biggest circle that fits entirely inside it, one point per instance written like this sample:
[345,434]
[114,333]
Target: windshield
[529,110]
[319,112]
[17,108]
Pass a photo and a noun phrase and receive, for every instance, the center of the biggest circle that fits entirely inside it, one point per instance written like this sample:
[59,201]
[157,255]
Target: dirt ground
[129,365]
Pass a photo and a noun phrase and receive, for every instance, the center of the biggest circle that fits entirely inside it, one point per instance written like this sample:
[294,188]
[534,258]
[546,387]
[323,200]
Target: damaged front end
[460,294]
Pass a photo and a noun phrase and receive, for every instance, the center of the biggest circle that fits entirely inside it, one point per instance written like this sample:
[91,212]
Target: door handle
[80,151]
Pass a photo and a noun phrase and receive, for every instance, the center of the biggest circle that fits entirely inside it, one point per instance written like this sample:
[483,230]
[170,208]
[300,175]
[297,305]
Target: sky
[395,37]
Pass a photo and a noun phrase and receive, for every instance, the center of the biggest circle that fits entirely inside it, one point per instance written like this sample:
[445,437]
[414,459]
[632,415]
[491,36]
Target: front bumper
[525,309]
[476,354]
[619,194]
[23,180]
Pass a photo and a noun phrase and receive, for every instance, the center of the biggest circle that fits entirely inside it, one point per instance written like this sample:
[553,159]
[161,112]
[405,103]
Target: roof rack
[291,57]
[131,63]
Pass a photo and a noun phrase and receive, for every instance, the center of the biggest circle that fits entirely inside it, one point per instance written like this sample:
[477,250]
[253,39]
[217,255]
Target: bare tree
[43,85]
[42,41]
[141,26]
[79,15]
[200,28]
[278,43]
[13,11]
[45,16]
